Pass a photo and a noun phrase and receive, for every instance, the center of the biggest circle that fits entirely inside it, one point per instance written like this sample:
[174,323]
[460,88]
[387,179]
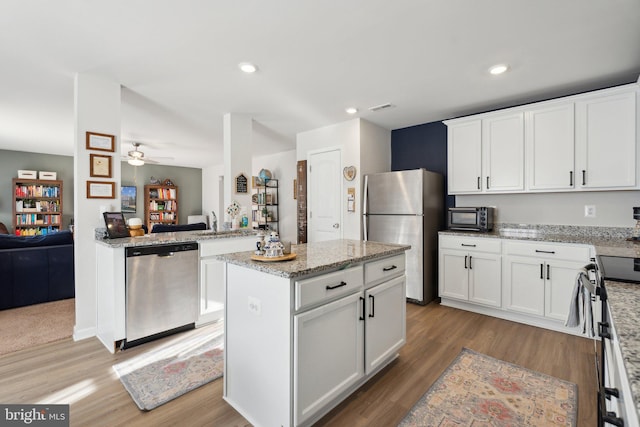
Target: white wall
[97,109]
[211,194]
[283,167]
[364,145]
[613,208]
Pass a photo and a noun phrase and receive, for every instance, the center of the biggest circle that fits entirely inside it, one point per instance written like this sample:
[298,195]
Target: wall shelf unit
[160,205]
[37,207]
[264,206]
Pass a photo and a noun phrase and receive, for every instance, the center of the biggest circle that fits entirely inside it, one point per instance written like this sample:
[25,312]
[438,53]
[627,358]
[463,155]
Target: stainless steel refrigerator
[408,207]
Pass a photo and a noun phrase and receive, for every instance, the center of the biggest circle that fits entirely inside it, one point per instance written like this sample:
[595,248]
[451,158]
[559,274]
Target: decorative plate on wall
[349,173]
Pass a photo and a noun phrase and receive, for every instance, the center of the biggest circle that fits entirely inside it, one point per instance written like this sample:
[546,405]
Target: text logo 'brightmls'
[34,415]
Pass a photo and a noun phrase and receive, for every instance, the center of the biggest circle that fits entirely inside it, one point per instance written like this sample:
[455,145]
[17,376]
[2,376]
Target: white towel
[580,310]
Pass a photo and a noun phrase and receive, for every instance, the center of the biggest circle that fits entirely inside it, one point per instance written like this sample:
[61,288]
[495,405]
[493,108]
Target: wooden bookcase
[264,206]
[37,206]
[160,205]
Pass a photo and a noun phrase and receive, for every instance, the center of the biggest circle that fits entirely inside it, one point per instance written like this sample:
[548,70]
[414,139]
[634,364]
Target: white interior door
[324,176]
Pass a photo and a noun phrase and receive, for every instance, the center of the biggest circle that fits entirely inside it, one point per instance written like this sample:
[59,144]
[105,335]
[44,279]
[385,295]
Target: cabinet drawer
[548,250]
[327,287]
[477,244]
[384,269]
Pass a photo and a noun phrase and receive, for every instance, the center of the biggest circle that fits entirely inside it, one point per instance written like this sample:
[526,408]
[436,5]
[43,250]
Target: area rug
[162,374]
[478,390]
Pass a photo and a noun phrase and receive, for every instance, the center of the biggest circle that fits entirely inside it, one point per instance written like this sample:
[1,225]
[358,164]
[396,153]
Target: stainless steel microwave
[470,219]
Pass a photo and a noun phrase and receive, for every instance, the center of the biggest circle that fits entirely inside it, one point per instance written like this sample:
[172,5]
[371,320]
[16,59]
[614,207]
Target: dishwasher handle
[167,255]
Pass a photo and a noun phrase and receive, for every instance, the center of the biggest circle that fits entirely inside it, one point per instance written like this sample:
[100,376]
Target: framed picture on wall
[100,165]
[101,190]
[101,141]
[128,199]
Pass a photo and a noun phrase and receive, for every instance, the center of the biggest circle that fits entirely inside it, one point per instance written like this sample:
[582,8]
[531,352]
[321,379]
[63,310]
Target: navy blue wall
[422,146]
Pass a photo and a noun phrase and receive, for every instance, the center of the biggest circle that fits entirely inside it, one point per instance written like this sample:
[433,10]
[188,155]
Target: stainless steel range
[620,269]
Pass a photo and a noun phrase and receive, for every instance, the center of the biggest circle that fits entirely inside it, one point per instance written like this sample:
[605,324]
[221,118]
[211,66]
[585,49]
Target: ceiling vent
[380,107]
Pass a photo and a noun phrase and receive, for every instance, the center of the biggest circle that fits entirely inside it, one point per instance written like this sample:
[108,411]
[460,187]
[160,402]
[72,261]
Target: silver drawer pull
[339,285]
[393,267]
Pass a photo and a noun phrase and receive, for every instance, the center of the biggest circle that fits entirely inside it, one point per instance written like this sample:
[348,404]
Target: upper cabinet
[606,130]
[583,142]
[550,148]
[464,153]
[503,153]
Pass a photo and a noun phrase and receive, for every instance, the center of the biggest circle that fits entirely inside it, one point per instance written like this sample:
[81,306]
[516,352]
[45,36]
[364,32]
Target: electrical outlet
[254,306]
[589,211]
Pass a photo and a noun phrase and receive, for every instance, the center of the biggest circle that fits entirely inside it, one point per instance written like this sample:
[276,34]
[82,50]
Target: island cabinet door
[328,354]
[385,330]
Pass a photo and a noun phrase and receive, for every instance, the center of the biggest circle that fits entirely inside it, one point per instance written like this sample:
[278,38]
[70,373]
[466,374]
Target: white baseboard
[83,334]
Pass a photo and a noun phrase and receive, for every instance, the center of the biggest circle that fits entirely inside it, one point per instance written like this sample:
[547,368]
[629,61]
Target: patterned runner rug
[478,390]
[166,372]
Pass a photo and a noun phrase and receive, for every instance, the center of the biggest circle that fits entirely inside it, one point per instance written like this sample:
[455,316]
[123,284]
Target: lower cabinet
[211,306]
[471,275]
[311,340]
[538,278]
[339,343]
[539,286]
[525,281]
[328,355]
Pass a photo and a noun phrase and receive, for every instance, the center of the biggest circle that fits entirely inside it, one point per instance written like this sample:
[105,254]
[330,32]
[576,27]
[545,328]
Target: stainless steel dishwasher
[161,290]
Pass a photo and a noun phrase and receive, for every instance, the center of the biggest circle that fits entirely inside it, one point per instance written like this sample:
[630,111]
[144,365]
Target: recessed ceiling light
[351,110]
[498,69]
[248,67]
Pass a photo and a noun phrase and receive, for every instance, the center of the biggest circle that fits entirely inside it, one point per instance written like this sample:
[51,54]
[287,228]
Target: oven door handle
[603,330]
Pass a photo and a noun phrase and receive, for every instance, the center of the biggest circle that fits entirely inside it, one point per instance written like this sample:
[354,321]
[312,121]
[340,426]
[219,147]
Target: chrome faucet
[214,221]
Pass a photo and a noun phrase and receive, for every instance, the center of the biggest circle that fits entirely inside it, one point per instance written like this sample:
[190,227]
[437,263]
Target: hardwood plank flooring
[80,373]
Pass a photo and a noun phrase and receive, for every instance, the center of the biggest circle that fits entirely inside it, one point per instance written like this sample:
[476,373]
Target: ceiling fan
[136,157]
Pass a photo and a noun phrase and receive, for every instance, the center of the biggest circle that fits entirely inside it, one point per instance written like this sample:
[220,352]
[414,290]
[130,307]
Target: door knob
[336,225]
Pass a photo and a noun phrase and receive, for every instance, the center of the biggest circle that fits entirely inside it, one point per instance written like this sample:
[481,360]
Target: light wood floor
[80,373]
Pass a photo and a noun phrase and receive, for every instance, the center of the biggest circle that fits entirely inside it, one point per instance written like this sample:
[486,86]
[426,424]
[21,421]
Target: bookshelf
[37,207]
[264,206]
[160,205]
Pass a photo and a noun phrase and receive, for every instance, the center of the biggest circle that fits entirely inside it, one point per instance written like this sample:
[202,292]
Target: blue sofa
[36,269]
[165,228]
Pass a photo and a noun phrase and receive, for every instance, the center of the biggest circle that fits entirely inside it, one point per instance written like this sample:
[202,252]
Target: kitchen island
[302,335]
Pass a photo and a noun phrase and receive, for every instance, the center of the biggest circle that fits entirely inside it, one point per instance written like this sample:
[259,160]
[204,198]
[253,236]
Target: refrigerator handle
[365,205]
[365,227]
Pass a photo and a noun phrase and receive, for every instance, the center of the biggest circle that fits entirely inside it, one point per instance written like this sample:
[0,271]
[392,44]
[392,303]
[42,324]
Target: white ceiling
[177,63]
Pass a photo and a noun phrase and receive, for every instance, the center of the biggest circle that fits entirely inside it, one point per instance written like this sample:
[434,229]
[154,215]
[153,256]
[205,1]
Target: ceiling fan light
[135,162]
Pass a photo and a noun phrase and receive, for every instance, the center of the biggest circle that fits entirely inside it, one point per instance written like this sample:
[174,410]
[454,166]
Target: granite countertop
[624,302]
[606,240]
[318,257]
[172,237]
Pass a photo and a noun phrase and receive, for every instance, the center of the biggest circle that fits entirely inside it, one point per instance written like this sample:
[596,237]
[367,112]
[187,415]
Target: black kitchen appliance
[620,269]
[470,218]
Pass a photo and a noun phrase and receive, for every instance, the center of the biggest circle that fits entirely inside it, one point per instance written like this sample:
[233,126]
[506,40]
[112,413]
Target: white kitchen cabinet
[385,323]
[295,347]
[321,375]
[470,270]
[550,143]
[583,142]
[503,152]
[606,136]
[538,278]
[328,356]
[464,157]
[211,289]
